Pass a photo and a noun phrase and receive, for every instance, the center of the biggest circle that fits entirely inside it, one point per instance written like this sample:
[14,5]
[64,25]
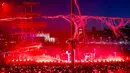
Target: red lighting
[67,52]
[16,60]
[82,61]
[5,7]
[3,4]
[104,60]
[52,61]
[110,60]
[76,61]
[95,60]
[107,60]
[123,60]
[37,61]
[27,59]
[99,60]
[24,60]
[87,61]
[12,60]
[31,59]
[45,61]
[113,60]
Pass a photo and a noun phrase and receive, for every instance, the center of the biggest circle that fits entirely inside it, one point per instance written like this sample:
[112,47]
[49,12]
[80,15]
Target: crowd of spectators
[66,68]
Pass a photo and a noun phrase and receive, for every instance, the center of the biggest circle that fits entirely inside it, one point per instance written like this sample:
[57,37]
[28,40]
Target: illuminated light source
[16,60]
[104,60]
[76,61]
[27,59]
[65,61]
[127,58]
[95,60]
[12,60]
[68,55]
[123,60]
[52,61]
[24,60]
[107,60]
[3,4]
[67,52]
[45,61]
[62,60]
[82,61]
[119,60]
[99,60]
[113,60]
[69,61]
[6,8]
[110,60]
[40,61]
[112,29]
[86,61]
[37,61]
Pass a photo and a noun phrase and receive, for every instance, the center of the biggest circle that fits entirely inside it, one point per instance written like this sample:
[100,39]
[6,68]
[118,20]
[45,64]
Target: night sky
[112,8]
[116,8]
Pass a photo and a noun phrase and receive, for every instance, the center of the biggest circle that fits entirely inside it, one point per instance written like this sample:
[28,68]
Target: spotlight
[44,61]
[24,60]
[37,61]
[12,60]
[113,60]
[99,60]
[123,60]
[95,60]
[76,61]
[104,60]
[16,60]
[52,61]
[3,4]
[110,60]
[87,61]
[82,61]
[27,59]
